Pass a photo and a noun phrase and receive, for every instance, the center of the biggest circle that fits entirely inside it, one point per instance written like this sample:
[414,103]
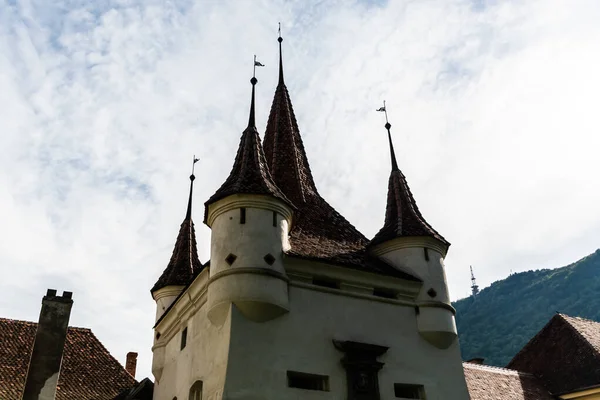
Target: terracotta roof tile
[402,216]
[564,354]
[88,371]
[491,383]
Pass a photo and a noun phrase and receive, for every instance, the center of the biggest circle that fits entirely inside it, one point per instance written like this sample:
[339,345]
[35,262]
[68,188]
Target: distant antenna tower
[474,287]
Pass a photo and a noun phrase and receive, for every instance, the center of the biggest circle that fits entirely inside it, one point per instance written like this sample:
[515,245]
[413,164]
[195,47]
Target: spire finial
[387,127]
[253,81]
[188,214]
[280,39]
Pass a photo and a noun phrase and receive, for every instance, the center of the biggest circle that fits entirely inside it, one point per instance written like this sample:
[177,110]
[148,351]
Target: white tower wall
[424,258]
[247,257]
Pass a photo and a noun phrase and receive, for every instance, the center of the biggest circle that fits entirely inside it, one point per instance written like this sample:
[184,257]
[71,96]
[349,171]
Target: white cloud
[493,107]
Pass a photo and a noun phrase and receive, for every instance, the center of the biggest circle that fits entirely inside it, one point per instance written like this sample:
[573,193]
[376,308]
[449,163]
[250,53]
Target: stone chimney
[46,357]
[131,363]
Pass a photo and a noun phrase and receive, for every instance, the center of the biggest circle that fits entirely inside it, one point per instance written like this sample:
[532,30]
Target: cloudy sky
[494,107]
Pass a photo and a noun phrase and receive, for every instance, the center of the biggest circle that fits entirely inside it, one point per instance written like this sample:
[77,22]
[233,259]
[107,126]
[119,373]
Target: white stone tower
[250,220]
[295,302]
[408,242]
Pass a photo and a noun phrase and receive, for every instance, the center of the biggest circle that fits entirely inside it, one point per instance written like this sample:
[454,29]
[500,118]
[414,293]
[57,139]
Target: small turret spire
[388,126]
[188,214]
[184,263]
[402,216]
[250,173]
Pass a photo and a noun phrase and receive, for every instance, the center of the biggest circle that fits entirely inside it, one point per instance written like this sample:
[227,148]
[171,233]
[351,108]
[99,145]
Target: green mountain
[505,316]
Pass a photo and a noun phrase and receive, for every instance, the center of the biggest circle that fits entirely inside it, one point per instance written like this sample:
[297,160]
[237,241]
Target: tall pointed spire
[184,263]
[250,173]
[402,216]
[283,145]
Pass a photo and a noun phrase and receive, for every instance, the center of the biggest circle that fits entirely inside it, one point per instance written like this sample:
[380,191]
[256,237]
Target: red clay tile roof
[319,231]
[491,383]
[564,355]
[402,216]
[88,371]
[184,263]
[250,173]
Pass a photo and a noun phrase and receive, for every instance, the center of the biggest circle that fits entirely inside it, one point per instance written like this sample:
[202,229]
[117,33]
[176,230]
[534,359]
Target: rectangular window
[326,283]
[301,380]
[274,218]
[183,338]
[385,293]
[409,391]
[242,215]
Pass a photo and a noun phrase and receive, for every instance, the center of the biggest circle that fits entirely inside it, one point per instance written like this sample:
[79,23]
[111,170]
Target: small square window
[301,380]
[385,293]
[326,283]
[409,391]
[183,338]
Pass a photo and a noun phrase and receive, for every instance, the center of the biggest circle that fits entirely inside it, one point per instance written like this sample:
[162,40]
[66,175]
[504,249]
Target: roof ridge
[27,322]
[565,316]
[578,333]
[507,371]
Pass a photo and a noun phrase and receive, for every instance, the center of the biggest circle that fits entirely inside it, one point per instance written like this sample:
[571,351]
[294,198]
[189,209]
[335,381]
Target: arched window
[196,391]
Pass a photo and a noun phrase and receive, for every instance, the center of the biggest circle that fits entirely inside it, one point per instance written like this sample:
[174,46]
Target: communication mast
[474,287]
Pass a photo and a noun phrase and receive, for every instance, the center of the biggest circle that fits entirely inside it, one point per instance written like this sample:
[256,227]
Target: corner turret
[183,265]
[408,242]
[250,219]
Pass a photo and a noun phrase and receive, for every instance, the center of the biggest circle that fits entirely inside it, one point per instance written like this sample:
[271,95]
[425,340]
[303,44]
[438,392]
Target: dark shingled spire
[319,231]
[402,216]
[184,263]
[284,149]
[250,173]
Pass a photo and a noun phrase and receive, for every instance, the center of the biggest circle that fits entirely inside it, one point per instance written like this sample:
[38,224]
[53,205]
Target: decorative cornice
[302,271]
[193,298]
[407,242]
[167,291]
[249,201]
[249,270]
[437,304]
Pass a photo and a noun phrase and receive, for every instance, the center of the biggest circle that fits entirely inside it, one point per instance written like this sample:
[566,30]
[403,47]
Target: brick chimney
[46,357]
[131,363]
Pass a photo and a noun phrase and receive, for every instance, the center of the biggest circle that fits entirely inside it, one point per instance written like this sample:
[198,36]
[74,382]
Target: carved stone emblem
[362,367]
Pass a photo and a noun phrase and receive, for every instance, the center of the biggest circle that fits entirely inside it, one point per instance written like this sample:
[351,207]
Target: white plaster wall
[250,242]
[204,358]
[261,353]
[432,272]
[260,297]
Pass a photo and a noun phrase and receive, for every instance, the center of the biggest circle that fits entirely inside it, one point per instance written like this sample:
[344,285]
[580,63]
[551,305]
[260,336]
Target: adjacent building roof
[564,355]
[402,216]
[319,231]
[88,371]
[184,263]
[250,173]
[491,383]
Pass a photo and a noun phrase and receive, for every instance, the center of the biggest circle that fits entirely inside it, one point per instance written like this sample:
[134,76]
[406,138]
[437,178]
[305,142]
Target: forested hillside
[503,317]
